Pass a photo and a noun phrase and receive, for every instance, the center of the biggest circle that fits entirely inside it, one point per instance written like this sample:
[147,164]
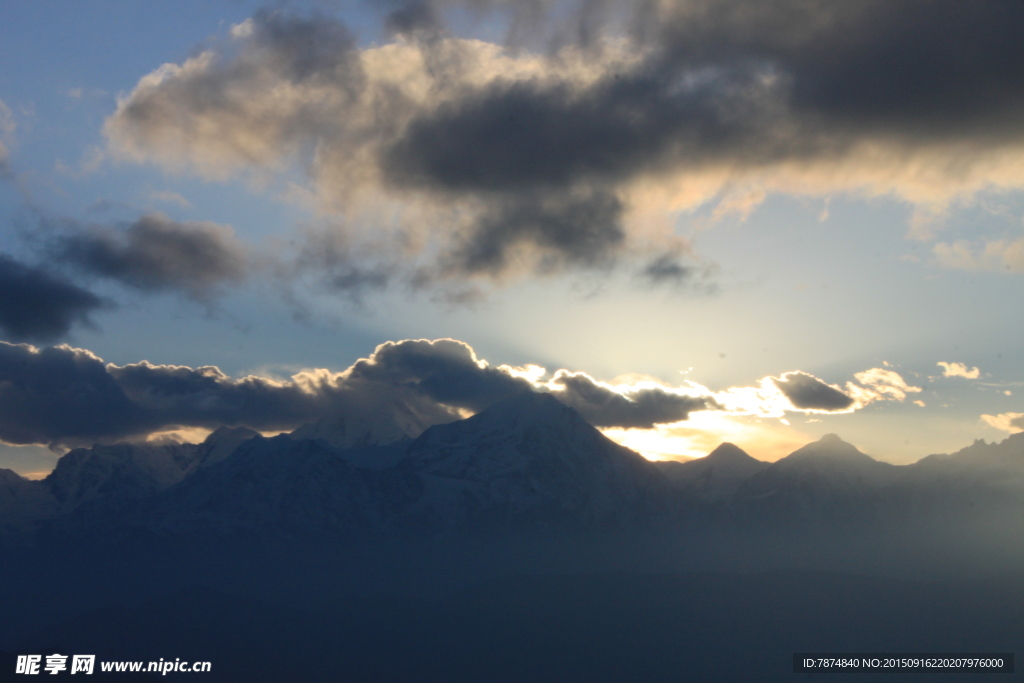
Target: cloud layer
[446,159]
[62,396]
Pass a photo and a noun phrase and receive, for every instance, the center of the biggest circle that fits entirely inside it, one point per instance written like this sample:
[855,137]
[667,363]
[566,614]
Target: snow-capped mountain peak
[368,426]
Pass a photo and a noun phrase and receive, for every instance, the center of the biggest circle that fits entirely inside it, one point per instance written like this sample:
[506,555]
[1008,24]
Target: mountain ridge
[528,462]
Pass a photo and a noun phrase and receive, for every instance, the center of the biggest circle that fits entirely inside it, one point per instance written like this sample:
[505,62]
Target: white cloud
[959,370]
[1007,422]
[880,385]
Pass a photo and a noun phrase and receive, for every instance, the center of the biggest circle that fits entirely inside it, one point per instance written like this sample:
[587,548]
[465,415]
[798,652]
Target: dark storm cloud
[1017,422]
[156,253]
[810,393]
[36,305]
[643,408]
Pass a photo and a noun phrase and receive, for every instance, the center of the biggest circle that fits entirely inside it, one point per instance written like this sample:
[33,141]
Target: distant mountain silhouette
[827,481]
[715,477]
[528,462]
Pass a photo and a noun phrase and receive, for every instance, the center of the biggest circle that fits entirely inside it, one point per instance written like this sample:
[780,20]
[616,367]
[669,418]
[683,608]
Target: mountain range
[526,464]
[450,550]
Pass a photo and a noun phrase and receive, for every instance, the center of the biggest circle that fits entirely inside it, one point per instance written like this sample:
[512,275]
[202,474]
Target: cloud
[807,392]
[467,160]
[67,396]
[446,370]
[253,103]
[860,97]
[1007,422]
[49,395]
[667,267]
[880,384]
[361,123]
[570,230]
[156,253]
[959,370]
[638,406]
[36,305]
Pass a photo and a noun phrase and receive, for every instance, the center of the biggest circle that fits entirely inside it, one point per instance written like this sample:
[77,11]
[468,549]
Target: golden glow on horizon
[180,435]
[764,439]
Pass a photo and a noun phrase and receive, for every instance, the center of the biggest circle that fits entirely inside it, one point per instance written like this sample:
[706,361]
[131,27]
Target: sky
[692,221]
